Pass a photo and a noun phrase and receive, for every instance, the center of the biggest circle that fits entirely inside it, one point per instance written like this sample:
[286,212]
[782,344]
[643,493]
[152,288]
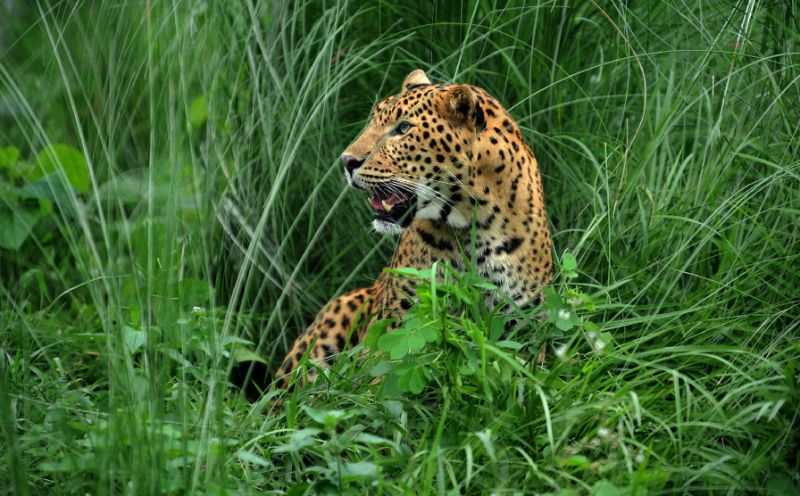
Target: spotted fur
[462,156]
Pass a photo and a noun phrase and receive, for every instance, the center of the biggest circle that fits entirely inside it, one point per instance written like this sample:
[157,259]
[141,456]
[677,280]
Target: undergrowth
[172,213]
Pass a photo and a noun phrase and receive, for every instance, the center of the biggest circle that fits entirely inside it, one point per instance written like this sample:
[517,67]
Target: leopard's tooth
[386,206]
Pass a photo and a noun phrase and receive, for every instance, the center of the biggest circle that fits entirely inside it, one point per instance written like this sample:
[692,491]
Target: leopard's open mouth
[393,205]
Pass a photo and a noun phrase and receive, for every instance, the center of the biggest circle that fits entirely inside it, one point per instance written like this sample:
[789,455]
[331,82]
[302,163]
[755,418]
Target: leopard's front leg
[329,333]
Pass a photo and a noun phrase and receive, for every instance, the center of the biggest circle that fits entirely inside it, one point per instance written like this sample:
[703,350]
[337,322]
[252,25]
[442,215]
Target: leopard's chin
[388,228]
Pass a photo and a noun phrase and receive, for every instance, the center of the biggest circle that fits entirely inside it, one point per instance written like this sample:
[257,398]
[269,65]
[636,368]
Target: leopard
[446,169]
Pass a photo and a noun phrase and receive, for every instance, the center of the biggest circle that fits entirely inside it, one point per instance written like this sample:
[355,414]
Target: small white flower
[563,314]
[639,457]
[603,432]
[591,335]
[598,345]
[198,310]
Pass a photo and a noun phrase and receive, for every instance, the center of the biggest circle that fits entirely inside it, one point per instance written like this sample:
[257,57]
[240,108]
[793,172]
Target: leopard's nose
[351,163]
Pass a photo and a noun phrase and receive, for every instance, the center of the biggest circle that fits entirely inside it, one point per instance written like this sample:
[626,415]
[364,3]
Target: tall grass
[197,220]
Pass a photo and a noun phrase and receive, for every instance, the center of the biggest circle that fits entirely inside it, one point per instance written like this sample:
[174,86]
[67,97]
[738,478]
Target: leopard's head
[413,157]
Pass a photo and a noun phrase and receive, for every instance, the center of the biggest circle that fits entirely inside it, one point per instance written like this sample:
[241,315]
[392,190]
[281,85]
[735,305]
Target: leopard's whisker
[440,195]
[435,194]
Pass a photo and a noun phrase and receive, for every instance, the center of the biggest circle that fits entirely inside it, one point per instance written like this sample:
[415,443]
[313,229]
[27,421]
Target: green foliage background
[172,209]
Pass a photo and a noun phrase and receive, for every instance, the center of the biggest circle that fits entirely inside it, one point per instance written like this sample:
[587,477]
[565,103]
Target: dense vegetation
[172,214]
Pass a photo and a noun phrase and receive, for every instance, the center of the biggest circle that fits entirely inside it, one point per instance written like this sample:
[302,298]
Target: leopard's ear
[459,105]
[415,78]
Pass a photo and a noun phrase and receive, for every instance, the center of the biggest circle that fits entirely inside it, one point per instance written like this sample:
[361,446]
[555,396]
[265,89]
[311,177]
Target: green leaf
[328,418]
[400,343]
[477,281]
[249,457]
[70,464]
[485,436]
[590,326]
[298,489]
[566,492]
[300,439]
[412,322]
[462,295]
[471,364]
[67,159]
[511,345]
[371,439]
[553,300]
[578,461]
[578,298]
[430,332]
[245,355]
[133,338]
[394,408]
[600,341]
[568,261]
[375,332]
[177,357]
[198,112]
[127,187]
[496,328]
[486,285]
[606,488]
[359,470]
[46,188]
[566,319]
[8,157]
[16,224]
[413,380]
[381,368]
[424,274]
[780,483]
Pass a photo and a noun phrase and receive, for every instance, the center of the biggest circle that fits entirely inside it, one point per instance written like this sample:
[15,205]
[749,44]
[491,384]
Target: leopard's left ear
[414,78]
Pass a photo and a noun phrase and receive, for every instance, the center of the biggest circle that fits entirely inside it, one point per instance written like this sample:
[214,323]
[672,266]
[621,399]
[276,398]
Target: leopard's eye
[402,128]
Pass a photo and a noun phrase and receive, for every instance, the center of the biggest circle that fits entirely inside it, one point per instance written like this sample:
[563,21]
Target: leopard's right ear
[459,105]
[415,78]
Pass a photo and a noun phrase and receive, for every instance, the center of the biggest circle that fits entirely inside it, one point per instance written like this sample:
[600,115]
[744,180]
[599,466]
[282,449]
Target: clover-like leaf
[401,342]
[430,331]
[380,369]
[411,378]
[375,332]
